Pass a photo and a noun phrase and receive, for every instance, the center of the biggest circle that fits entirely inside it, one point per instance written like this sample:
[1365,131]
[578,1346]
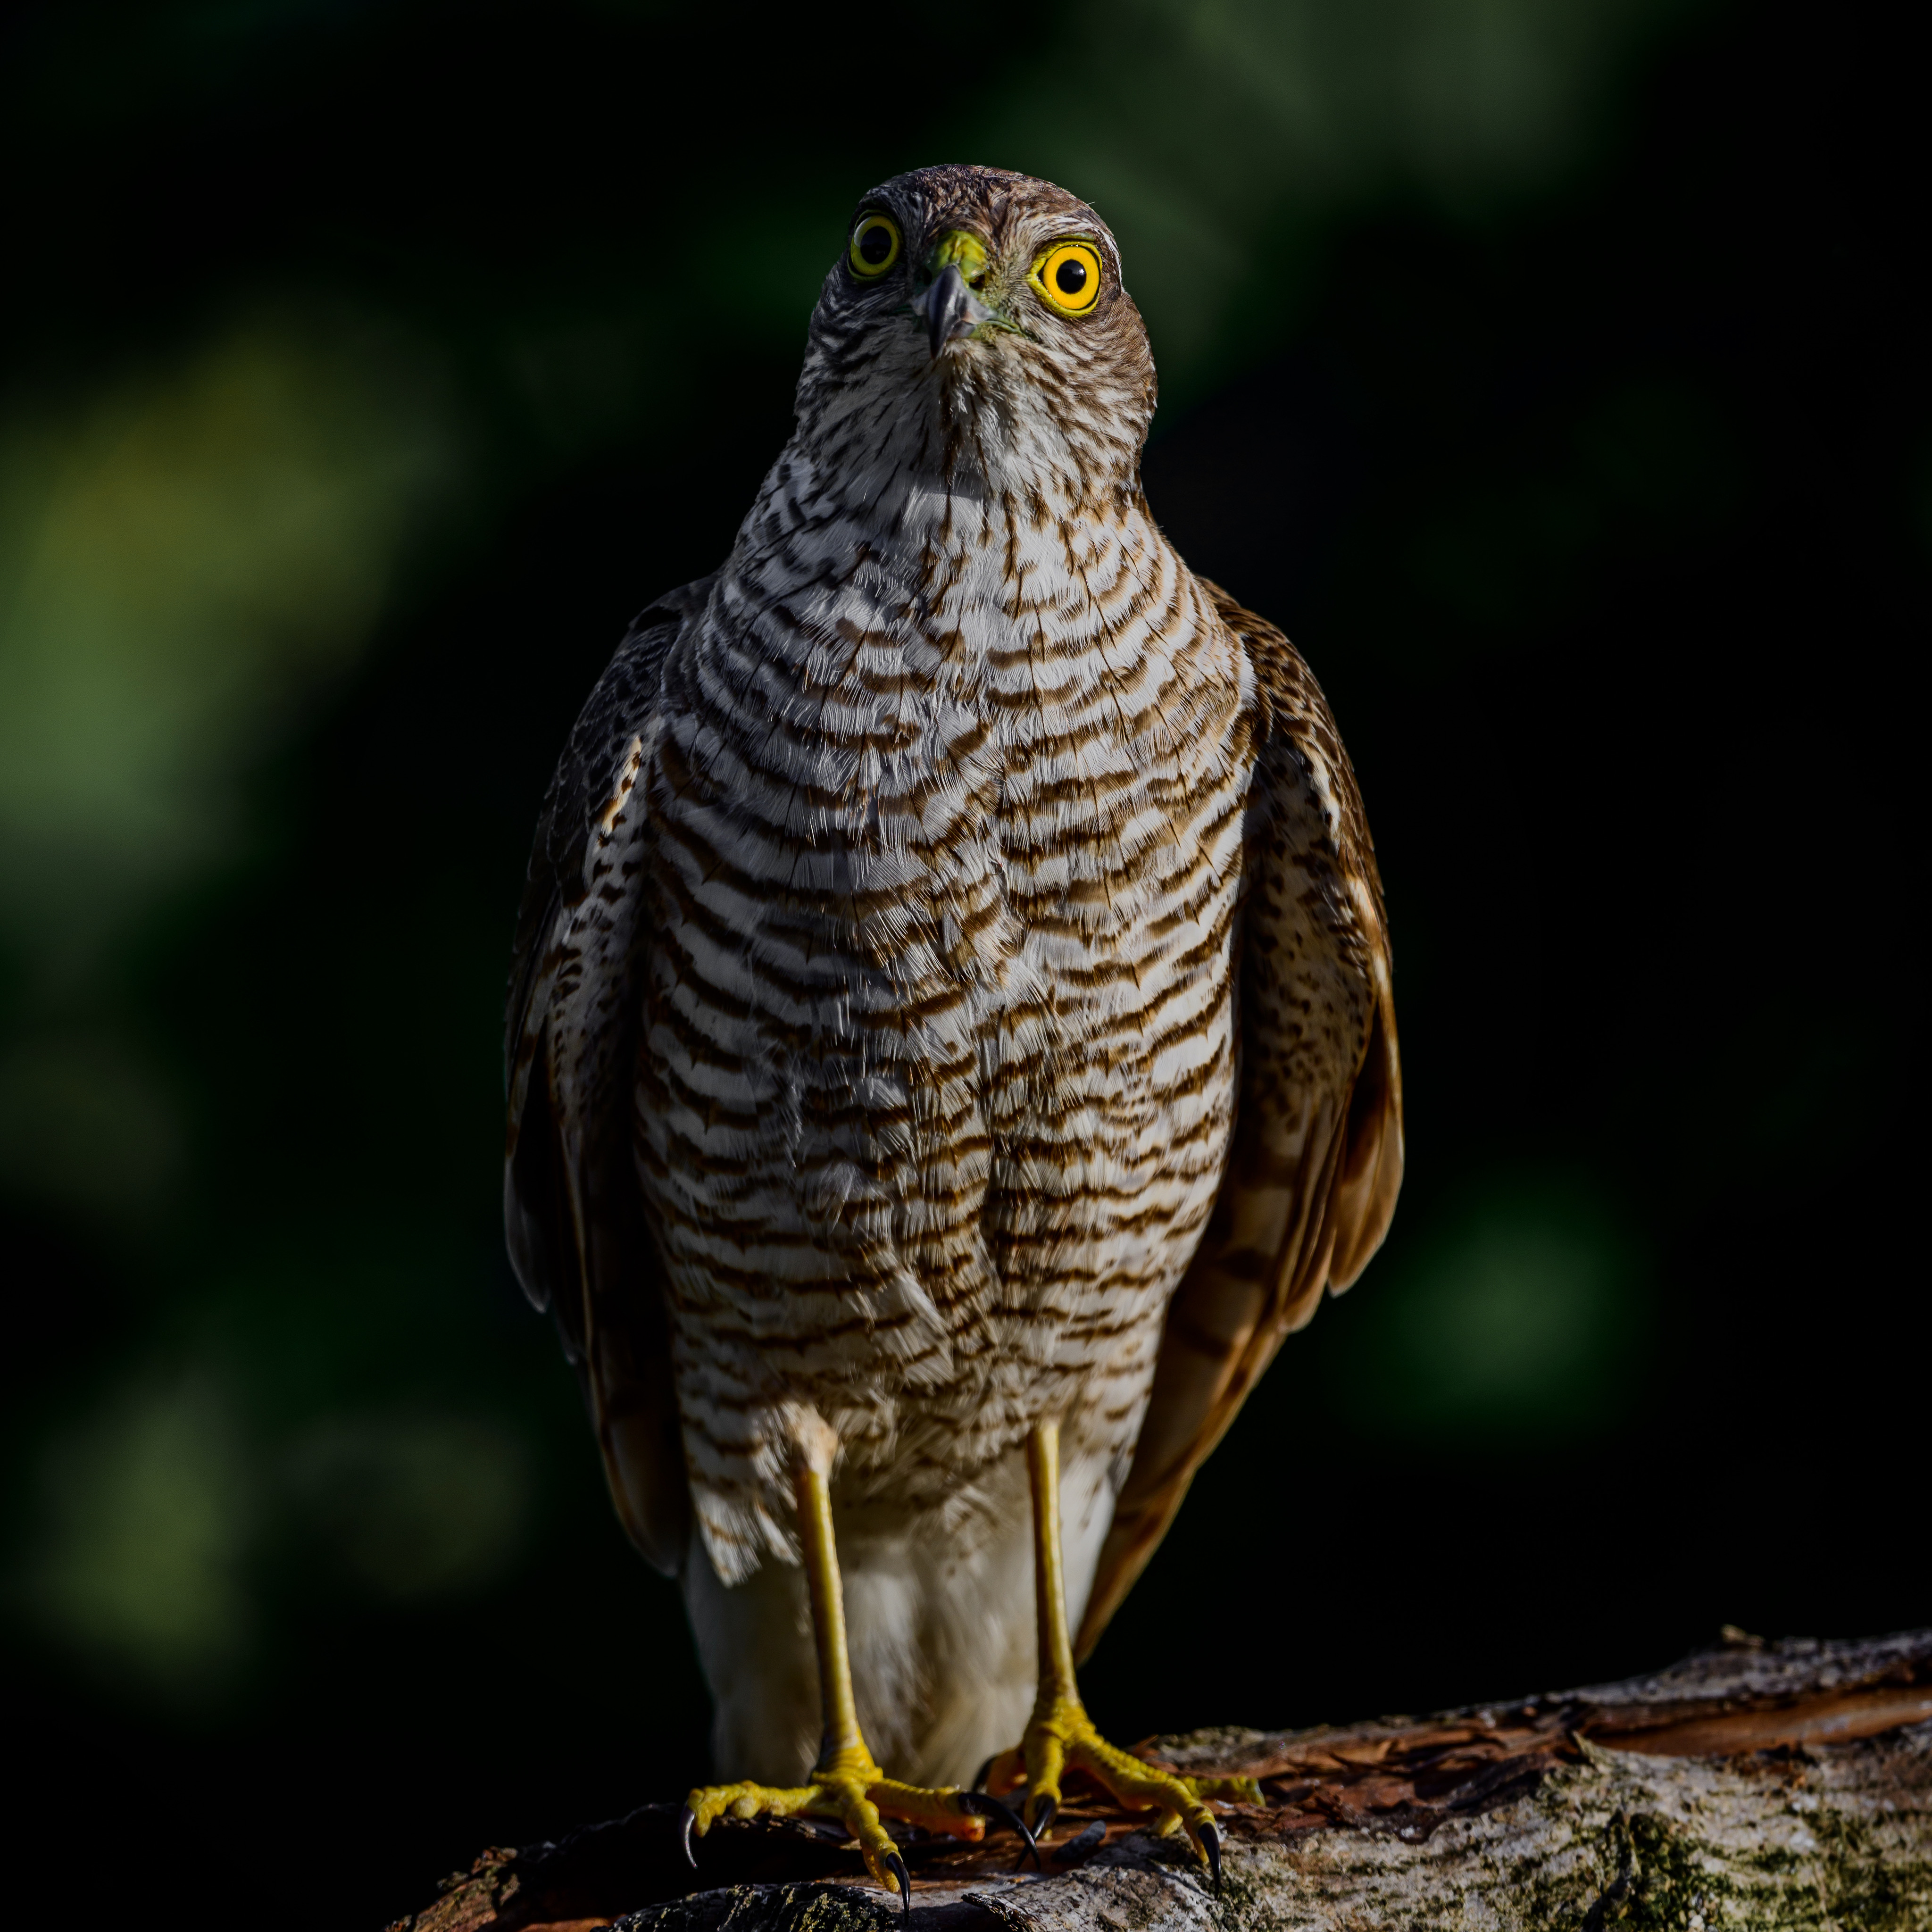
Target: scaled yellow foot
[1059,1736]
[846,1784]
[852,1789]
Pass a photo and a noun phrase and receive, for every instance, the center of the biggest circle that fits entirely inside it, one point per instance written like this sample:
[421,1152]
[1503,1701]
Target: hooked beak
[950,308]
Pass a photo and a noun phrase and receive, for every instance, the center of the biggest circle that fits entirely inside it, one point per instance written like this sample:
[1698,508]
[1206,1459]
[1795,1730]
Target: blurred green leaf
[88,1122]
[1520,1313]
[184,558]
[415,1506]
[148,1505]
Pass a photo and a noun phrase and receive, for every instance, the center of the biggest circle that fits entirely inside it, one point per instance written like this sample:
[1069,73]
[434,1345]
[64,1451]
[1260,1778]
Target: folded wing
[573,1214]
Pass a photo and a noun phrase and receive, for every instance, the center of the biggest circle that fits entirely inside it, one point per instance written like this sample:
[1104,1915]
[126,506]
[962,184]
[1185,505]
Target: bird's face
[975,326]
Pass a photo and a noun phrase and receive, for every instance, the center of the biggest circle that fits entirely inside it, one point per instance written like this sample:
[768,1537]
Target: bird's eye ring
[875,246]
[1069,275]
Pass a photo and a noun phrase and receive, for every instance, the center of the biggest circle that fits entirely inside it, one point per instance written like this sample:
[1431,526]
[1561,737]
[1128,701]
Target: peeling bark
[1753,1786]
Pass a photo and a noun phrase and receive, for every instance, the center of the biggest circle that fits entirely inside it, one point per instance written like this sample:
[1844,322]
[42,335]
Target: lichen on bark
[1753,1788]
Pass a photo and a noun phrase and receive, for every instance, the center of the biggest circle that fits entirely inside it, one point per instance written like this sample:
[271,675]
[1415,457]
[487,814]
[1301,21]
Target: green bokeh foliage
[371,363]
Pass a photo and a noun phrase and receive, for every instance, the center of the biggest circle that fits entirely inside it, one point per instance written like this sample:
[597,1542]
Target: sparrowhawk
[951,1039]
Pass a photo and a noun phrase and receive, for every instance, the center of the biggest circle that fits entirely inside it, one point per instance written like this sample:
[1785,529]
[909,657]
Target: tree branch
[1755,1784]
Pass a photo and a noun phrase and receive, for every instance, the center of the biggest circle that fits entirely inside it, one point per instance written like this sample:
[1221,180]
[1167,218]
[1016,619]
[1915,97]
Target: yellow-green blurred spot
[147,1512]
[415,1506]
[84,1121]
[182,558]
[1520,1313]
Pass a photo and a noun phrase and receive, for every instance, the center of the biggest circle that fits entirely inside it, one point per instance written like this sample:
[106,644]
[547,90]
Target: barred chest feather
[944,813]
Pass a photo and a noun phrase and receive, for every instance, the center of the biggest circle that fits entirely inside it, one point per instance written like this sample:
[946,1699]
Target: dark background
[1552,372]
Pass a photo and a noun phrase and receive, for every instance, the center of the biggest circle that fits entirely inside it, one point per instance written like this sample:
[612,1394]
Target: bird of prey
[951,1040]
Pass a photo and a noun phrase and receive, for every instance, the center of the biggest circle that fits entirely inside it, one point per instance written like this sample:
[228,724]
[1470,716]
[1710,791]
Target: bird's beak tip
[951,310]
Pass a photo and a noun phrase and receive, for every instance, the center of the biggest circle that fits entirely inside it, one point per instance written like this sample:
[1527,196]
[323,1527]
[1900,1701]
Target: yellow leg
[846,1784]
[1060,1734]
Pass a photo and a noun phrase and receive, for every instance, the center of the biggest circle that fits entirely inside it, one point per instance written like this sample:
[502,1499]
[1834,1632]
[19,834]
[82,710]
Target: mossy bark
[1754,1786]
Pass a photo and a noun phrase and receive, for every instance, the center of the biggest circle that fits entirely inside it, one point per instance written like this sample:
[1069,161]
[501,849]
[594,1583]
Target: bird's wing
[1316,1159]
[573,1214]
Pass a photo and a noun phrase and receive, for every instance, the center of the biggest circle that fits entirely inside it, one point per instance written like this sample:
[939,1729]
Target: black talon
[686,1819]
[1044,1813]
[1211,1843]
[896,1865]
[984,1805]
[980,1776]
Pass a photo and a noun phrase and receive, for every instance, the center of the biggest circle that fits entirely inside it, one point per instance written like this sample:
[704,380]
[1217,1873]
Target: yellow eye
[1069,275]
[875,246]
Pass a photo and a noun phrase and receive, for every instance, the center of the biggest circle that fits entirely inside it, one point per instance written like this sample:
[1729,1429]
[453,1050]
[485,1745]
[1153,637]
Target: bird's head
[974,329]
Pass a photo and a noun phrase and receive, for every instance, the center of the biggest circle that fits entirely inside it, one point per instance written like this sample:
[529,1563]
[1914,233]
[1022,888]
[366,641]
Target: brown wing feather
[573,1216]
[1316,1158]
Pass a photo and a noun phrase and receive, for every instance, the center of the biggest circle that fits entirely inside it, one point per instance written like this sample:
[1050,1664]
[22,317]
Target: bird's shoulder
[1305,799]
